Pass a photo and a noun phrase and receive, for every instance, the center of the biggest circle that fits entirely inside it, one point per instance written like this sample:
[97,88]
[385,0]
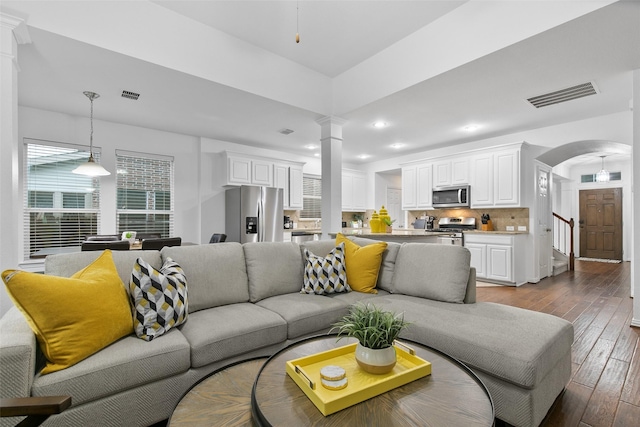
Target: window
[60,207]
[311,197]
[144,197]
[613,176]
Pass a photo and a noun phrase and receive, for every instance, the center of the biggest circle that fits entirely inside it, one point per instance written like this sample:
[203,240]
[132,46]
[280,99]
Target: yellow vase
[374,223]
[383,214]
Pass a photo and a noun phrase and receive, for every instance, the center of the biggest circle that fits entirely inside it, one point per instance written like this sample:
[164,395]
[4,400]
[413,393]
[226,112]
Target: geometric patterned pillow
[325,275]
[159,298]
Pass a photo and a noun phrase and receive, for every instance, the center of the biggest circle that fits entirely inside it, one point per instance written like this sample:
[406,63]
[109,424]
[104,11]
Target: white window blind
[60,207]
[311,197]
[145,202]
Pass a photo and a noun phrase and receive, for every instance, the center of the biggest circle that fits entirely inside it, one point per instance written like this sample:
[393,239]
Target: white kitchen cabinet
[451,171]
[289,178]
[417,186]
[478,258]
[481,185]
[495,179]
[507,178]
[295,187]
[497,257]
[424,186]
[244,170]
[353,191]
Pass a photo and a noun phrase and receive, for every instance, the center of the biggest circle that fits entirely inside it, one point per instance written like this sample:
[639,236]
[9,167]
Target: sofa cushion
[389,256]
[65,265]
[217,273]
[218,333]
[273,268]
[437,272]
[125,364]
[516,345]
[306,313]
[325,275]
[74,317]
[362,264]
[159,298]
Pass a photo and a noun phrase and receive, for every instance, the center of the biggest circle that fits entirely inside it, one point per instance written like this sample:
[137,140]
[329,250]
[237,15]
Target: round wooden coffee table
[222,399]
[451,396]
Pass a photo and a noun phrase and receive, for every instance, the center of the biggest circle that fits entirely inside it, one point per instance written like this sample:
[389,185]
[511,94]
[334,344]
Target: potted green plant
[388,222]
[375,330]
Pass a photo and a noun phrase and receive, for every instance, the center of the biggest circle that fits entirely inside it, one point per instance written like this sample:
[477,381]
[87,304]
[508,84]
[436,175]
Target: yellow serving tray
[305,371]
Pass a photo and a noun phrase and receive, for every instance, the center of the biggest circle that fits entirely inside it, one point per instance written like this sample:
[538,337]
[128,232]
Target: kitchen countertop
[397,232]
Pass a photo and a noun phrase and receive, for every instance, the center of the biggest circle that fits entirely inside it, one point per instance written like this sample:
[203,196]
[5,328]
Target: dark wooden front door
[601,223]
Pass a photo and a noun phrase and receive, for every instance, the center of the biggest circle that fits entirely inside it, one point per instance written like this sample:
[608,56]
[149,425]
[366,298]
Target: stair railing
[563,237]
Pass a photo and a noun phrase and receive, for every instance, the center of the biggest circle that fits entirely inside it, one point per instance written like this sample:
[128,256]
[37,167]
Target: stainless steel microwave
[451,197]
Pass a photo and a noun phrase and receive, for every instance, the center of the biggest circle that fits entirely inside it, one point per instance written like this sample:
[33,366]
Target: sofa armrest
[37,409]
[18,349]
[470,294]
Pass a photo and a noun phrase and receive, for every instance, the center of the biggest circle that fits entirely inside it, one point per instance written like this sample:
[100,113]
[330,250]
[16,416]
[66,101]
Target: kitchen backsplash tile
[501,218]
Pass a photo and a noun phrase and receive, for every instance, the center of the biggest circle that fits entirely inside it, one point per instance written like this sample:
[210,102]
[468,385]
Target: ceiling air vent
[574,92]
[285,131]
[130,95]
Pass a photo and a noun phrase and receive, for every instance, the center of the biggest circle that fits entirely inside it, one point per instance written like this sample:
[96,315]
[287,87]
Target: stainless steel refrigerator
[254,214]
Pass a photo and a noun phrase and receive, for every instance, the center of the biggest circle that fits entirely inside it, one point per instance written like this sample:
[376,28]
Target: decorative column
[13,31]
[331,149]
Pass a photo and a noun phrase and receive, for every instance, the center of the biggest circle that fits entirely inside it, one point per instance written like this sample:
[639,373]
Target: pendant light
[603,175]
[297,23]
[91,168]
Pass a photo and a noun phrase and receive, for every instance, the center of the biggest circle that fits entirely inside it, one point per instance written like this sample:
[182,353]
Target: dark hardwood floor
[604,389]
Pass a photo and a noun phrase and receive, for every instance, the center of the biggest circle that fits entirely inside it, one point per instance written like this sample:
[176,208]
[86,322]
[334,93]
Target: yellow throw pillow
[74,317]
[362,264]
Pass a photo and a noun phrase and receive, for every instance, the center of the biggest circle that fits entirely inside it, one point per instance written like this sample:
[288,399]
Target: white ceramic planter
[379,361]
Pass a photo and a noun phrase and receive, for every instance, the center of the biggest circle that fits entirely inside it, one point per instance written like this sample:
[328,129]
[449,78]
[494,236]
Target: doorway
[601,223]
[394,205]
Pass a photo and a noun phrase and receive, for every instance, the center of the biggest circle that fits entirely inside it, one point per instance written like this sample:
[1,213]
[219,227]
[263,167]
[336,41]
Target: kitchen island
[397,235]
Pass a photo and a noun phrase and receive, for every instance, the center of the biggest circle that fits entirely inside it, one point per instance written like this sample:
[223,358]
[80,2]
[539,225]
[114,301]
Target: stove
[454,227]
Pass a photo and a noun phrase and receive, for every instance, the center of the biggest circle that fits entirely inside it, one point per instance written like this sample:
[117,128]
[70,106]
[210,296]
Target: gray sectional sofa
[245,301]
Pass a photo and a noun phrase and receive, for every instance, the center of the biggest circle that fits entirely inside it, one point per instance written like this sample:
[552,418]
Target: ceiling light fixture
[471,128]
[364,156]
[603,175]
[297,22]
[379,125]
[91,168]
[311,146]
[397,145]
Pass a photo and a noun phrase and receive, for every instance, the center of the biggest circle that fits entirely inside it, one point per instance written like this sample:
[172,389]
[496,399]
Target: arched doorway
[596,233]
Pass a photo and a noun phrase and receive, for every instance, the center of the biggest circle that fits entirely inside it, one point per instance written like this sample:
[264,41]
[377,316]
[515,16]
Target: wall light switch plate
[522,228]
[510,228]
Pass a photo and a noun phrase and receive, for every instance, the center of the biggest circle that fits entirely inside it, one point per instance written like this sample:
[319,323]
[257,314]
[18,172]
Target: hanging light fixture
[297,23]
[91,168]
[603,175]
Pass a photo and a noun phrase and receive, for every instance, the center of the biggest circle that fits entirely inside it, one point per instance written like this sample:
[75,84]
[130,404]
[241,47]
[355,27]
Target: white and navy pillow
[325,275]
[159,298]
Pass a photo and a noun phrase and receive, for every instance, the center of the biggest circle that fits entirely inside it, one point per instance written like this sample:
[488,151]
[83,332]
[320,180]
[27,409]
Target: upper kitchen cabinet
[451,171]
[354,190]
[495,178]
[242,169]
[288,176]
[245,170]
[417,186]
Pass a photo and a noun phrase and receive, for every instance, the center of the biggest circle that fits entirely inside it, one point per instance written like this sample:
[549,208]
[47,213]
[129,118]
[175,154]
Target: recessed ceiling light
[379,125]
[316,154]
[397,145]
[471,128]
[364,156]
[311,146]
